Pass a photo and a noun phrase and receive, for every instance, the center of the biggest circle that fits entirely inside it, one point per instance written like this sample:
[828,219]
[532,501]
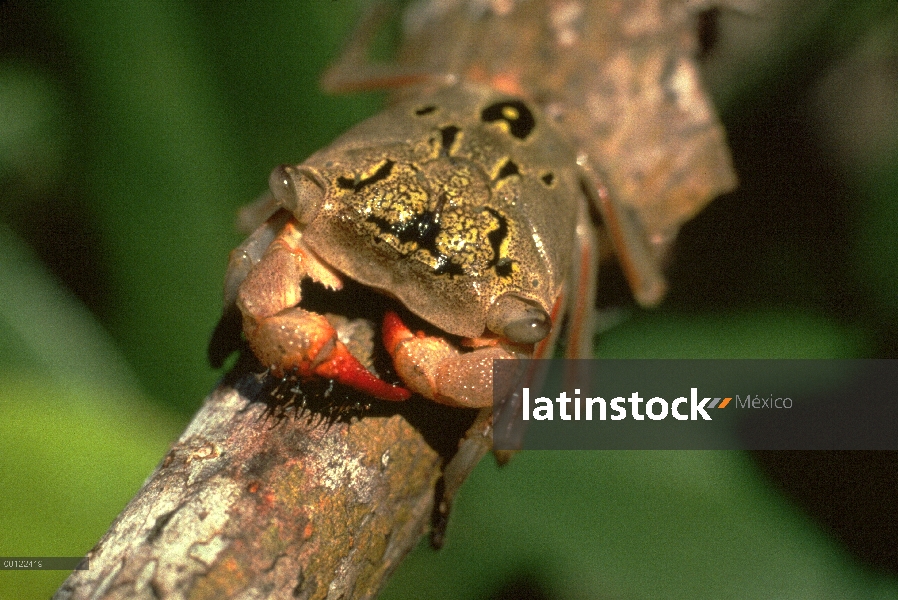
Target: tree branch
[247,505]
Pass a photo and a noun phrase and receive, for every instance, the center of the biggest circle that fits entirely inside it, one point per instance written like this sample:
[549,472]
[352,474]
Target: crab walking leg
[477,442]
[641,266]
[582,280]
[353,72]
[289,339]
[254,214]
[226,337]
[431,367]
[245,256]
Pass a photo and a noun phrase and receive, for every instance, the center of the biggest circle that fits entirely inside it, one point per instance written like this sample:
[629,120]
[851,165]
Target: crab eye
[529,329]
[518,320]
[297,191]
[281,185]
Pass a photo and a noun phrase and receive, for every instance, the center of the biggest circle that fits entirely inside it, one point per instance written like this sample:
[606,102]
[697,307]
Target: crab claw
[304,342]
[344,367]
[432,367]
[285,337]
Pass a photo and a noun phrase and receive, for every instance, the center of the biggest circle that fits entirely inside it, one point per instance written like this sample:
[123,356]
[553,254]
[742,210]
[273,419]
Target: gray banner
[44,563]
[677,404]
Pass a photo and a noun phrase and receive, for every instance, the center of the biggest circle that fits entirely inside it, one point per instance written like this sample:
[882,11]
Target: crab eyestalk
[298,190]
[518,320]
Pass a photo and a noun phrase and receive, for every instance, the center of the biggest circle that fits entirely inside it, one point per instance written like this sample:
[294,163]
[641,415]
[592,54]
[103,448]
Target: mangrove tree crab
[466,206]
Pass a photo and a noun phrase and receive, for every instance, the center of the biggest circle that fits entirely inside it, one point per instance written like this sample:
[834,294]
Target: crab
[461,205]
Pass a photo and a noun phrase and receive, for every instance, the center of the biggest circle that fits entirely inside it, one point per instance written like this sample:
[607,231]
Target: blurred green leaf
[877,250]
[32,134]
[632,525]
[46,326]
[749,334]
[71,456]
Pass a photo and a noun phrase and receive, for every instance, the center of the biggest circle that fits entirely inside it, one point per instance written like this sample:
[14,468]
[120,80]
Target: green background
[130,133]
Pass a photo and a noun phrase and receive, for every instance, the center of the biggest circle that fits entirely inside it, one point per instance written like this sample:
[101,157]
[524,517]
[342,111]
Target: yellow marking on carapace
[510,113]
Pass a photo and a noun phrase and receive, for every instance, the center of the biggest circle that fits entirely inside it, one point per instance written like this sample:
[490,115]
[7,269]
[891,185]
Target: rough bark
[246,505]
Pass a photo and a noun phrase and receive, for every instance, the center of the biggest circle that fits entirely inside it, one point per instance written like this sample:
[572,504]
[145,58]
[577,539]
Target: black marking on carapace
[548,178]
[449,134]
[425,110]
[520,126]
[348,183]
[422,230]
[504,268]
[508,169]
[501,264]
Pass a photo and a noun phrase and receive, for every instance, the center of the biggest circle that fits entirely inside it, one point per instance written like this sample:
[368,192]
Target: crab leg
[226,337]
[641,266]
[582,280]
[290,339]
[352,72]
